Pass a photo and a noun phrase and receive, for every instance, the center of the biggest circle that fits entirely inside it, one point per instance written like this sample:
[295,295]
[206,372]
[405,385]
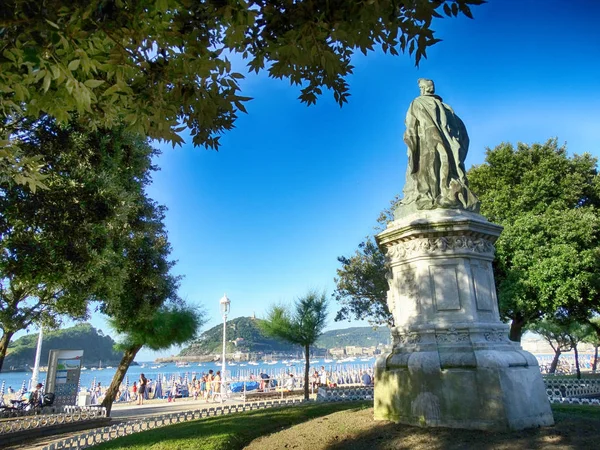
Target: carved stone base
[462,387]
[452,363]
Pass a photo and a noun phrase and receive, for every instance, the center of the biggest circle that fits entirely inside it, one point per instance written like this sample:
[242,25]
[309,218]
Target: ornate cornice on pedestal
[495,336]
[439,245]
[440,231]
[406,338]
[452,336]
[444,336]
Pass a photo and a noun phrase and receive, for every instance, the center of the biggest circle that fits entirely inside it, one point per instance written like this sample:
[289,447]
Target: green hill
[244,335]
[95,345]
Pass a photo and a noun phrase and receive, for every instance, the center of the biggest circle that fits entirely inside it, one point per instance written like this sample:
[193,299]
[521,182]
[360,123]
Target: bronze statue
[437,143]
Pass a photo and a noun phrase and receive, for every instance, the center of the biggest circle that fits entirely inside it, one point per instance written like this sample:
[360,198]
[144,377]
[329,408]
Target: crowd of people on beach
[211,386]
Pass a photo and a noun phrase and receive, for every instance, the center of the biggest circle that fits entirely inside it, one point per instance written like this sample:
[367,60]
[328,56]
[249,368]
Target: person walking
[142,389]
[217,386]
[209,385]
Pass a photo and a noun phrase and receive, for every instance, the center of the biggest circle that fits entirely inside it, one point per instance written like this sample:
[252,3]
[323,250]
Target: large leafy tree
[60,245]
[159,66]
[548,256]
[302,325]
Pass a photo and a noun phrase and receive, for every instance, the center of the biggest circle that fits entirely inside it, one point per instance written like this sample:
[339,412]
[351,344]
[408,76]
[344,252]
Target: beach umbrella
[158,389]
[126,397]
[2,388]
[23,388]
[93,397]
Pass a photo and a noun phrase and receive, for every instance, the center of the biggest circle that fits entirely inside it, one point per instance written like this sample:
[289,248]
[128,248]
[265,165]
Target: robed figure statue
[437,143]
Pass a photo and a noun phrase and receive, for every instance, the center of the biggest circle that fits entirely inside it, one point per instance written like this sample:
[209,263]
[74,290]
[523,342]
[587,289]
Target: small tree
[301,325]
[169,325]
[593,337]
[557,335]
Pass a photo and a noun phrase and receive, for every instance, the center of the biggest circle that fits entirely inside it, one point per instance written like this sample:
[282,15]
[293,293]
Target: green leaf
[53,24]
[73,65]
[46,83]
[93,83]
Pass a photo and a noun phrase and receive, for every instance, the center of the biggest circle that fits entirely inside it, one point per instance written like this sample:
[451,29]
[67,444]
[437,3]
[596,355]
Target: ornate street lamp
[225,303]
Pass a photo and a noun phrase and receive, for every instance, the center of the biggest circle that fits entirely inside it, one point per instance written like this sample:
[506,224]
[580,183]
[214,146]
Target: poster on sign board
[64,369]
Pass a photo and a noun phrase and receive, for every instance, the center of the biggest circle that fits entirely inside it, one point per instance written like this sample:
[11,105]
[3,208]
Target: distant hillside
[249,338]
[96,346]
[357,336]
[245,332]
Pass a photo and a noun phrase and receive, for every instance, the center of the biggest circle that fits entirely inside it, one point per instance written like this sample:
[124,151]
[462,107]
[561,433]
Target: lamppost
[225,304]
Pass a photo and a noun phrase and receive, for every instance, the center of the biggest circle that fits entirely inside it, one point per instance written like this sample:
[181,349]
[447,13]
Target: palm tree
[302,324]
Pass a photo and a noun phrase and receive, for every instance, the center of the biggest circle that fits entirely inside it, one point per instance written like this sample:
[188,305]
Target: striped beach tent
[158,392]
[125,396]
[93,396]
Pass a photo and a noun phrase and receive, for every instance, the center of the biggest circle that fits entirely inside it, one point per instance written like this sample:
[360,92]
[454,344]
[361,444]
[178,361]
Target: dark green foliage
[159,64]
[63,245]
[96,346]
[169,325]
[548,256]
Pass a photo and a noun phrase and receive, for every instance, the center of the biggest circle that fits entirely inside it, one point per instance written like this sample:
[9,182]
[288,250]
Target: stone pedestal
[452,363]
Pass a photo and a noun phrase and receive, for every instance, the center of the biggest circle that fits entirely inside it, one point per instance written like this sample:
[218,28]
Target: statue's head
[426,86]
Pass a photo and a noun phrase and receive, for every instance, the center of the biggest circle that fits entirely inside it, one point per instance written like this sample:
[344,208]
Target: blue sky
[294,187]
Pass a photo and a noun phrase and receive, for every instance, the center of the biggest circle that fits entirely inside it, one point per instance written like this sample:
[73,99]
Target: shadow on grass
[576,428]
[229,432]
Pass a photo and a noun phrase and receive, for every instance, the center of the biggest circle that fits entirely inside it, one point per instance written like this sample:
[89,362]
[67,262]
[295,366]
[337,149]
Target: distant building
[337,352]
[352,350]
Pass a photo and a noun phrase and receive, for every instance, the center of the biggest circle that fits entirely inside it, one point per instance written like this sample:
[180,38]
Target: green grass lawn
[233,431]
[575,411]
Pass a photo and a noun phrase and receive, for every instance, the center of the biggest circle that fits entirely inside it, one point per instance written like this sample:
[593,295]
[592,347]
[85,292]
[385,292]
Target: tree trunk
[577,368]
[113,389]
[595,364]
[306,369]
[557,353]
[516,329]
[4,341]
